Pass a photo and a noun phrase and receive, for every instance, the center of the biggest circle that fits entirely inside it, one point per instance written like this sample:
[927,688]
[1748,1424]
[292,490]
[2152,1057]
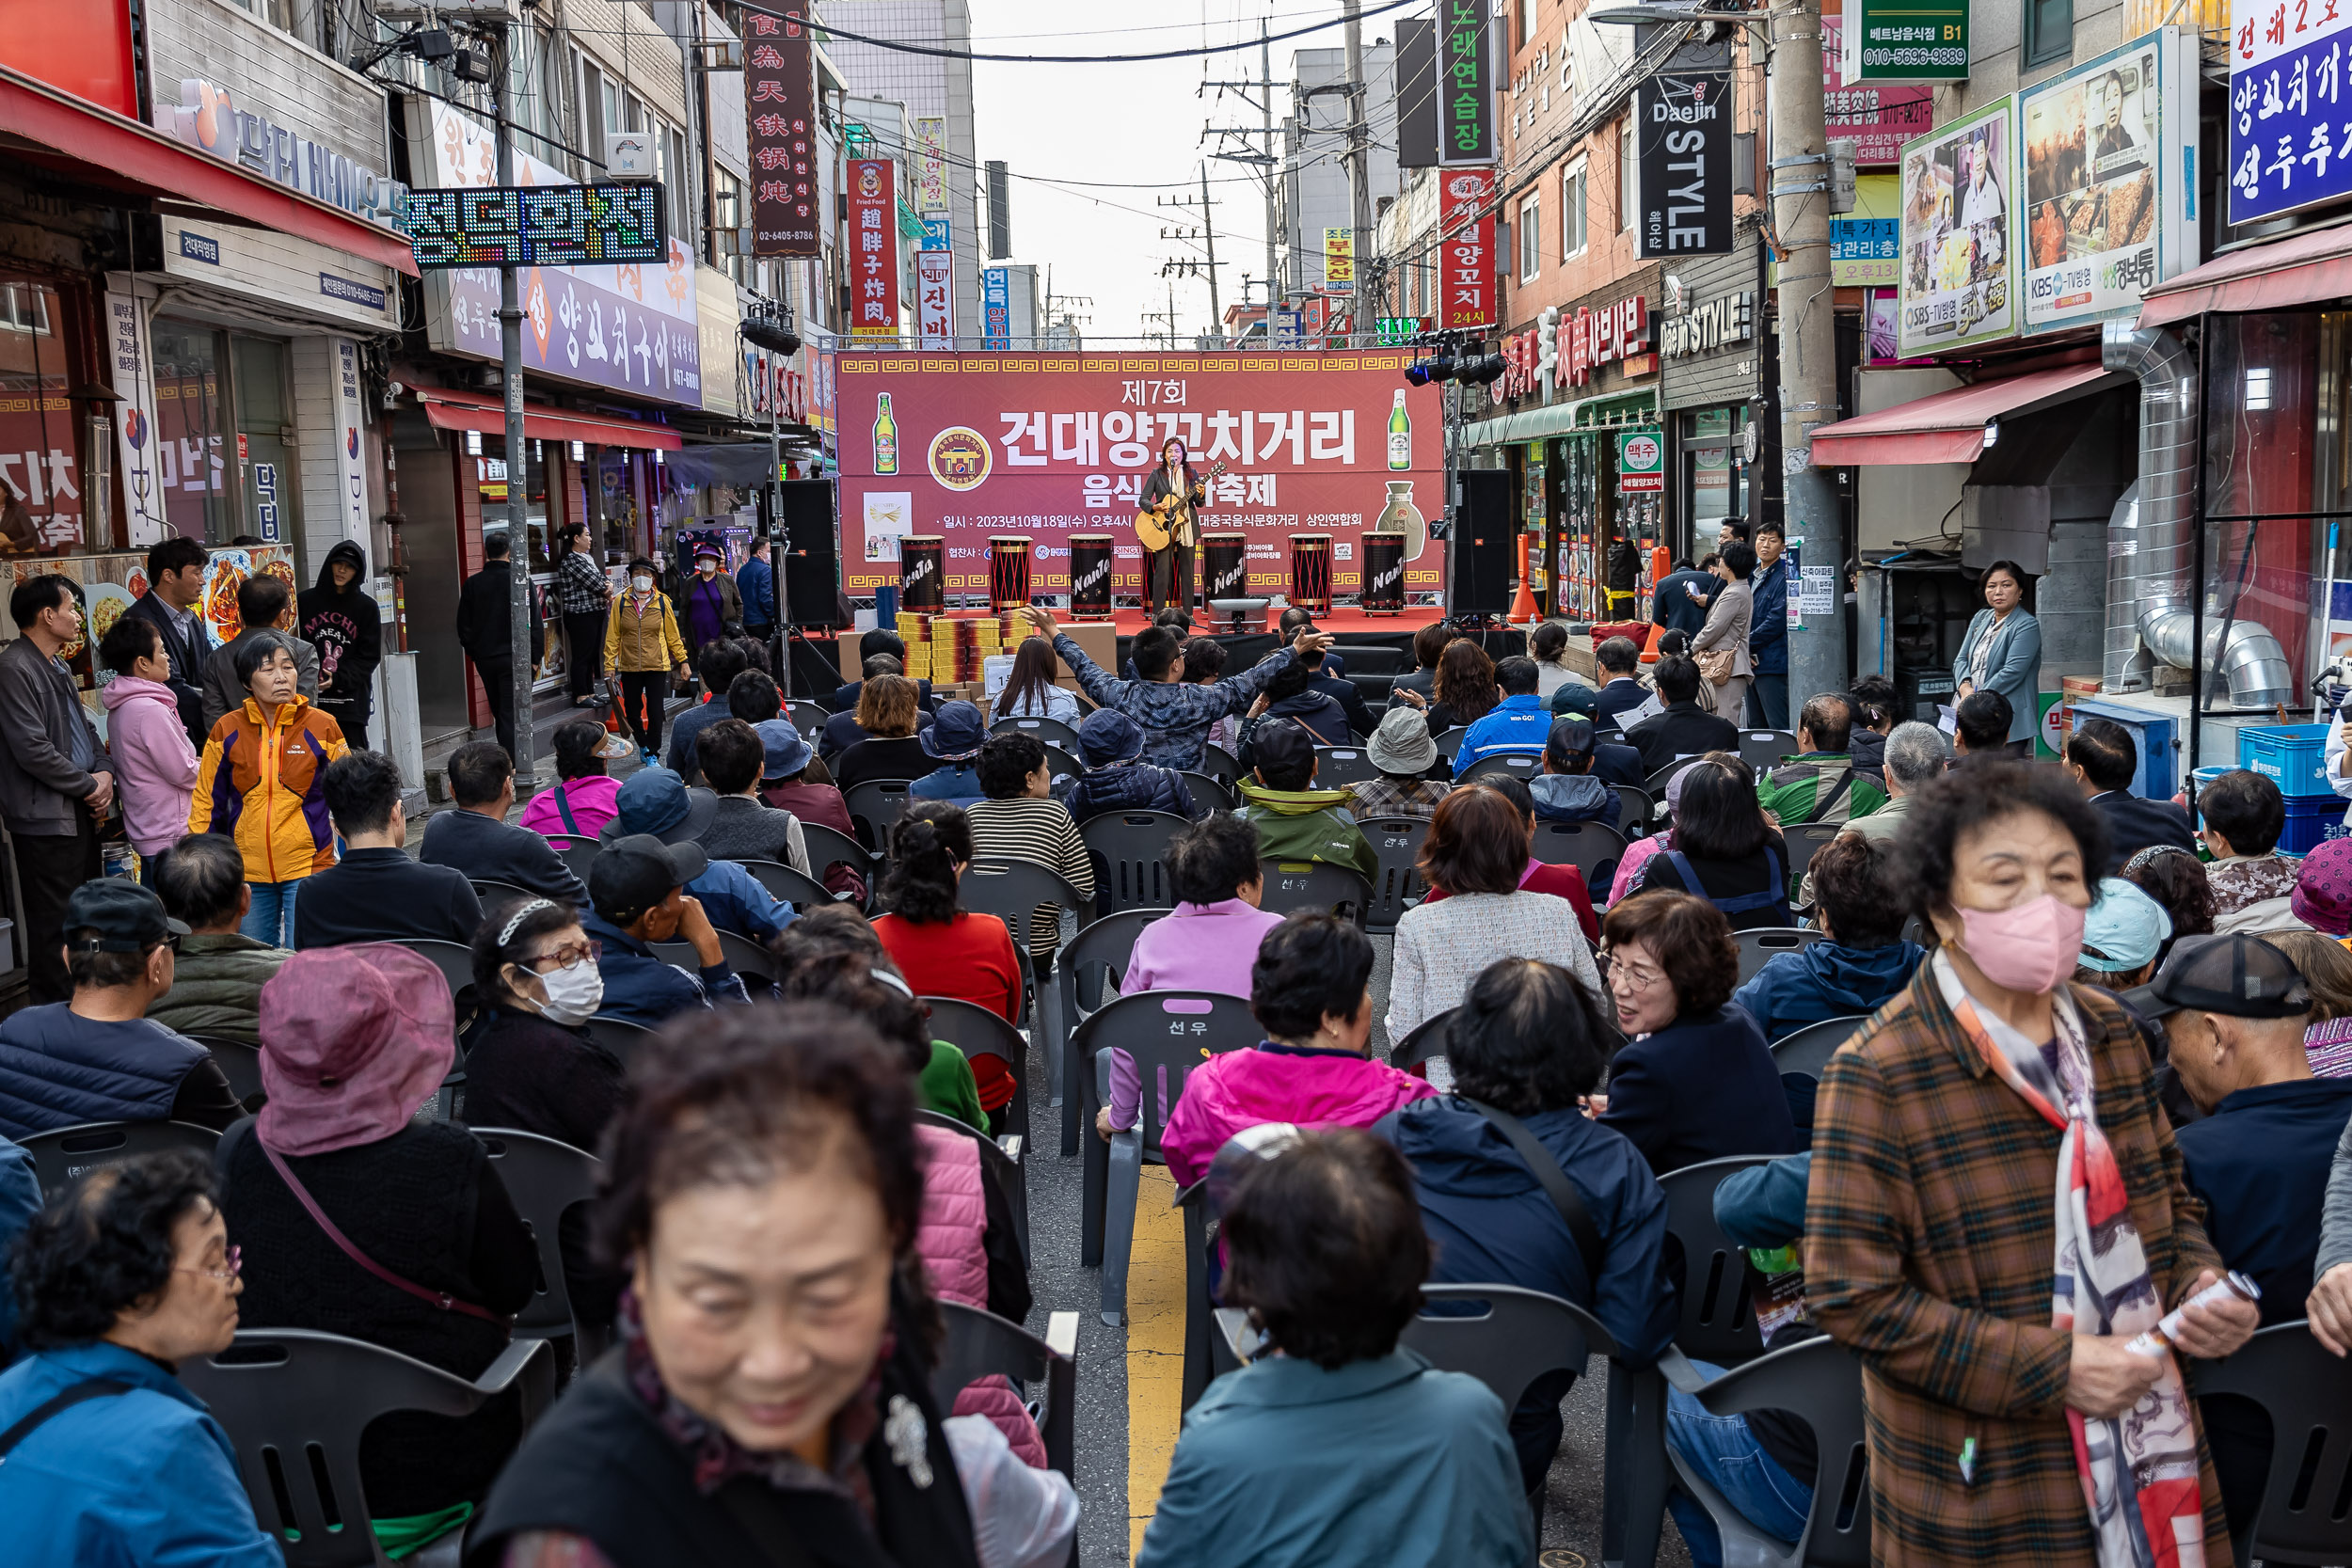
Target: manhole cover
[1560,1559]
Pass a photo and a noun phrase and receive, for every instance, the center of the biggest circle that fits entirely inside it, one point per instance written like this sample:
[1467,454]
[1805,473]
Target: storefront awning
[451,410]
[1558,419]
[60,131]
[1949,426]
[2301,269]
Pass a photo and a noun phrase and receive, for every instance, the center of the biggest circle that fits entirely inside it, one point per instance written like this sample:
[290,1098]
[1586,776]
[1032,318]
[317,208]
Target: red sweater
[971,958]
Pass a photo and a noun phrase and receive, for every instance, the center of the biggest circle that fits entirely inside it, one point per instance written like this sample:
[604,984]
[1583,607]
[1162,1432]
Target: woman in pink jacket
[155,765]
[1311,990]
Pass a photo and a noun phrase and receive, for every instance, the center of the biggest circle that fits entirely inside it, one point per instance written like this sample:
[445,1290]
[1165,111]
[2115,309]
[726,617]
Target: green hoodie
[1308,825]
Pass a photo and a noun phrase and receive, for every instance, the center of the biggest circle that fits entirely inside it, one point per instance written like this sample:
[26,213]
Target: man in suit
[1620,689]
[1679,603]
[173,601]
[1685,729]
[2102,760]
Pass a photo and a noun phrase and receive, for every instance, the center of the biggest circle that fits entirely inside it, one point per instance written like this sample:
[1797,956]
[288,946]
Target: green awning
[1559,419]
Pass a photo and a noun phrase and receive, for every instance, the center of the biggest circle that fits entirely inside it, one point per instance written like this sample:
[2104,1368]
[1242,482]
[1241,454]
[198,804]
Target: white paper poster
[351,478]
[135,421]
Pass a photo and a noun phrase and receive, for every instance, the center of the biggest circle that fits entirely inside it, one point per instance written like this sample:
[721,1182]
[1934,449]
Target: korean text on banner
[1466,83]
[930,163]
[2290,106]
[995,307]
[1959,282]
[1466,222]
[935,299]
[1683,129]
[1877,118]
[873,248]
[1906,40]
[780,114]
[1339,261]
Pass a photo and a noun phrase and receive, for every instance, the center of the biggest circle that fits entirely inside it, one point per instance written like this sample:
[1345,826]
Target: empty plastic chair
[1049,732]
[875,806]
[1805,840]
[1313,885]
[1397,841]
[1591,848]
[1763,750]
[1636,810]
[547,1179]
[1809,1049]
[1012,890]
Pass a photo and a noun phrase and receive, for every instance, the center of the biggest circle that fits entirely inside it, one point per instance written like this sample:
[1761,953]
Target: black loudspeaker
[806,553]
[1485,536]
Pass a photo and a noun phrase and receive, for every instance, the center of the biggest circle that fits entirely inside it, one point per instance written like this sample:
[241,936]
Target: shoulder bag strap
[1824,803]
[442,1299]
[57,1405]
[1555,1183]
[564,809]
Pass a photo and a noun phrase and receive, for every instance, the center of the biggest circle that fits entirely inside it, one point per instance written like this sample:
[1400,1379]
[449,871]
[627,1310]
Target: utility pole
[1809,344]
[517,455]
[1274,293]
[1359,164]
[1208,234]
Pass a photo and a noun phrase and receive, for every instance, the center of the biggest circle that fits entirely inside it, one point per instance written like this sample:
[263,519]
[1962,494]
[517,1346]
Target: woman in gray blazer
[2002,652]
[1726,628]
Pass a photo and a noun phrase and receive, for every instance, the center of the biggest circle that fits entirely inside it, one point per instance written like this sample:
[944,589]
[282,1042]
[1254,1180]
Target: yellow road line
[1156,1347]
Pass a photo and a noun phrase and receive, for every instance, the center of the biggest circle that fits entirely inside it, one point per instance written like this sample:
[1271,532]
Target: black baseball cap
[1282,744]
[632,873]
[127,917]
[2239,977]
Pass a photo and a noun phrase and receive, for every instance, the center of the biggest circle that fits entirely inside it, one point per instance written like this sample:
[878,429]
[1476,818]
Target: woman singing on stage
[1168,571]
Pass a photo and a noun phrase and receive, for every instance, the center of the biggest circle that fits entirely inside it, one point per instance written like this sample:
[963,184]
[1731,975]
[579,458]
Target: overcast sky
[1133,124]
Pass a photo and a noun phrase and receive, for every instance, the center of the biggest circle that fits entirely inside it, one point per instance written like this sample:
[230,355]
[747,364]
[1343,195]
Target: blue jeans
[1727,1454]
[271,918]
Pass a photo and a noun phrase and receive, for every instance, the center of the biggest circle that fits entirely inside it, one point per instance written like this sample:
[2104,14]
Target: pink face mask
[2031,947]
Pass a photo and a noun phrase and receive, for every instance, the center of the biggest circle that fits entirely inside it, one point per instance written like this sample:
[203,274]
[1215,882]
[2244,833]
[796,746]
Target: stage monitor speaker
[806,554]
[1484,535]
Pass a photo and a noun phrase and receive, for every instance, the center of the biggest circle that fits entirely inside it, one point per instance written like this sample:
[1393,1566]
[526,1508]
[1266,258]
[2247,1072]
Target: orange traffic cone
[1523,605]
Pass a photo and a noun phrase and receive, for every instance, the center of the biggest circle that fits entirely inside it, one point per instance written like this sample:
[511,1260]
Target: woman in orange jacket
[262,781]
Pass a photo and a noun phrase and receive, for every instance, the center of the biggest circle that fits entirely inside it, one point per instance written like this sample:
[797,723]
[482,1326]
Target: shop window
[2049,30]
[1531,238]
[265,453]
[191,431]
[1714,482]
[1572,212]
[2268,470]
[38,450]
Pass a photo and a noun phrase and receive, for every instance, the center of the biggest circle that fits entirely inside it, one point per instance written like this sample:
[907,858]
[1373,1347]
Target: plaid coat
[1928,1250]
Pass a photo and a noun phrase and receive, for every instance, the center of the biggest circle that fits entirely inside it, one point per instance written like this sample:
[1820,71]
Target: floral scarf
[2139,1473]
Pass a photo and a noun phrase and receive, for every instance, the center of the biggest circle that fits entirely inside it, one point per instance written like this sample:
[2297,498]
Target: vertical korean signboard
[1339,261]
[1466,83]
[1959,283]
[1682,134]
[995,307]
[873,248]
[1465,224]
[780,116]
[935,299]
[930,163]
[2290,106]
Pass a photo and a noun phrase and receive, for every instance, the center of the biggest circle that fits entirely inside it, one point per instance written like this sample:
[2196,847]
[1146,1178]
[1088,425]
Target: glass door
[270,505]
[191,430]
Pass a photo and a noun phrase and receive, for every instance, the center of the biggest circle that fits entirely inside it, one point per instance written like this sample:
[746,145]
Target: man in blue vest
[1768,631]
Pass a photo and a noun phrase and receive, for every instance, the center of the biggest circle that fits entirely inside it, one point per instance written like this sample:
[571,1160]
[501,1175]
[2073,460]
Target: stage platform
[1344,622]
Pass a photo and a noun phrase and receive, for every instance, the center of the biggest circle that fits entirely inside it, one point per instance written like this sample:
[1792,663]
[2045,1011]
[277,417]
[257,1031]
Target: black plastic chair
[1422,1044]
[1763,750]
[294,1404]
[547,1179]
[1012,890]
[1820,1381]
[1049,732]
[980,1343]
[495,893]
[1315,885]
[1809,1049]
[240,1063]
[830,847]
[1210,793]
[578,854]
[875,806]
[619,1036]
[977,1032]
[1397,841]
[1657,780]
[747,958]
[807,717]
[2307,1393]
[455,961]
[1804,841]
[796,888]
[1130,850]
[1759,944]
[1006,1166]
[1718,1311]
[1221,765]
[1086,970]
[1522,765]
[1449,743]
[1337,766]
[63,1155]
[1593,848]
[1637,811]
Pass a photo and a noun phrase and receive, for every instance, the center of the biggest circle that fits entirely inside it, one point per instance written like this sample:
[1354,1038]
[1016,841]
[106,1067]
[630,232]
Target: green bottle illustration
[1400,435]
[886,440]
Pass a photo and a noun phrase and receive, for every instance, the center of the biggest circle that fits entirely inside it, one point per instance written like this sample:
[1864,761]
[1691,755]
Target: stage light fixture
[771,335]
[1479,371]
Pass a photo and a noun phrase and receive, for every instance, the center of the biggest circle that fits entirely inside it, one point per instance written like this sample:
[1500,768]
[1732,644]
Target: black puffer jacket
[1131,787]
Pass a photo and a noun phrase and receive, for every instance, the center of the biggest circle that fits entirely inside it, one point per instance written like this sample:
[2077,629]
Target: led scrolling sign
[538,226]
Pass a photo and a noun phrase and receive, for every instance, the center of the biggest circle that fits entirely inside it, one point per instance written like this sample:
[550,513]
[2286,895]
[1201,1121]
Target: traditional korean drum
[1310,573]
[1091,576]
[923,574]
[1007,572]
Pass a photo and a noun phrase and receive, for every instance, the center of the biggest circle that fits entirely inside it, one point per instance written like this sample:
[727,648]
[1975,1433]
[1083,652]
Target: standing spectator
[585,597]
[56,779]
[1912,759]
[265,609]
[1029,691]
[1517,724]
[2103,760]
[2001,651]
[1476,851]
[377,893]
[155,763]
[1679,603]
[581,802]
[532,1065]
[99,1057]
[717,662]
[1568,790]
[1429,645]
[655,803]
[1175,717]
[1686,728]
[743,826]
[1527,1044]
[1820,784]
[125,1276]
[713,605]
[1862,958]
[637,893]
[219,972]
[477,839]
[336,1168]
[792,780]
[1022,821]
[757,583]
[262,780]
[643,647]
[1621,689]
[1725,636]
[1311,990]
[941,949]
[1698,1082]
[2326,966]
[173,603]
[1300,1457]
[1295,820]
[1725,851]
[486,629]
[887,715]
[953,741]
[1930,1223]
[1404,751]
[2254,885]
[339,617]
[1767,630]
[1117,778]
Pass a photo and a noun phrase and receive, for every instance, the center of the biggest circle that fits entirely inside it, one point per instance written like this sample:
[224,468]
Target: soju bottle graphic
[1400,435]
[886,439]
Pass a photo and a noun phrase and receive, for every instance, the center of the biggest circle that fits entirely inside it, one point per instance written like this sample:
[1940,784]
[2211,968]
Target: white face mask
[707,567]
[573,994]
[641,583]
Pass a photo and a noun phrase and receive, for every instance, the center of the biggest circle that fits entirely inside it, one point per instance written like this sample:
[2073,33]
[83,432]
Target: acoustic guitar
[1169,520]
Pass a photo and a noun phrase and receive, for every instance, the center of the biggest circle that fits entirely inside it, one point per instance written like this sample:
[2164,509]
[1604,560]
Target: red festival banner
[873,248]
[963,446]
[1466,226]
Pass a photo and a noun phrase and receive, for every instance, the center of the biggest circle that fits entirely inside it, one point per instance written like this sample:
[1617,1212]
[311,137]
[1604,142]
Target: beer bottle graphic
[886,439]
[1400,435]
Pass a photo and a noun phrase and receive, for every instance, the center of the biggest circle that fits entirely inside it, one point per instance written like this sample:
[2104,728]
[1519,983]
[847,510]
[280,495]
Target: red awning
[449,410]
[2301,269]
[1948,427]
[96,146]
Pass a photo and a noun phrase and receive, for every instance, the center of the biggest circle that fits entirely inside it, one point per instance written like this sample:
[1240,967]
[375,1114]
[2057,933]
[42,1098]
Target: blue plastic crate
[2290,757]
[2311,823]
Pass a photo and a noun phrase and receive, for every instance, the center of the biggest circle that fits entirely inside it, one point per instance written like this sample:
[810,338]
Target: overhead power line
[1204,50]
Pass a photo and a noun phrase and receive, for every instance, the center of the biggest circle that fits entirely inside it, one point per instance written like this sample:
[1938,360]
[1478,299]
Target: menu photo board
[1959,282]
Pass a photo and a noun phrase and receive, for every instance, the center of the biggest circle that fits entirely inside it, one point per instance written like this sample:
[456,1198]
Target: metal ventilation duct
[2150,560]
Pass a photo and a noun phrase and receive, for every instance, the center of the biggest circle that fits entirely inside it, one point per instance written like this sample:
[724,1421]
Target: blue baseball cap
[1106,736]
[2123,929]
[956,733]
[657,802]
